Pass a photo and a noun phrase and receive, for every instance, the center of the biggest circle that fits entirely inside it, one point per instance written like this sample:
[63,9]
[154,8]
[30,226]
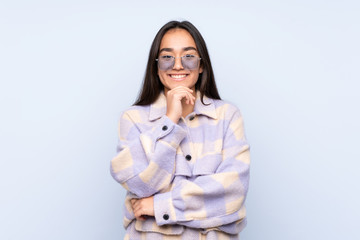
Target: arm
[213,200]
[145,161]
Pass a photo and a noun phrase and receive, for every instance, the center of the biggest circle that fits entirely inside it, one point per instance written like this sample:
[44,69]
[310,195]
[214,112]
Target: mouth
[178,77]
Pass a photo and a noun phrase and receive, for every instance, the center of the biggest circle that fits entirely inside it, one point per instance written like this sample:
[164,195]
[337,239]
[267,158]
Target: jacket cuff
[164,209]
[167,126]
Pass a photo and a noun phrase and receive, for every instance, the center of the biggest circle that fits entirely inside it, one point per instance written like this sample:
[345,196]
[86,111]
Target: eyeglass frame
[199,58]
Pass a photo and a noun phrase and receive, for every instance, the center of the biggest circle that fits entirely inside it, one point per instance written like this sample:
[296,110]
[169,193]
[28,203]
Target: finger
[189,96]
[192,99]
[180,89]
[188,89]
[185,97]
[142,218]
[132,205]
[137,208]
[138,214]
[136,203]
[183,94]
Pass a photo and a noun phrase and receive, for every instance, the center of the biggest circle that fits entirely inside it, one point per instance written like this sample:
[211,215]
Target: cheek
[161,76]
[159,73]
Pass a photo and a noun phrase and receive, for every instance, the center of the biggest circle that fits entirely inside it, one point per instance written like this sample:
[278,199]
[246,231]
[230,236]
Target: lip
[178,79]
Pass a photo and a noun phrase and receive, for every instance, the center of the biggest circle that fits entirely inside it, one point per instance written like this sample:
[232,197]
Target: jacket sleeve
[214,200]
[145,161]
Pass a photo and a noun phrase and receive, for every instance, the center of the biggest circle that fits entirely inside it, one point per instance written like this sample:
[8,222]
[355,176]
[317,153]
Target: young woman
[182,153]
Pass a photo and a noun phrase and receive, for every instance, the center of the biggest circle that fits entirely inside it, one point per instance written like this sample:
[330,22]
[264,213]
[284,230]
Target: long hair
[152,86]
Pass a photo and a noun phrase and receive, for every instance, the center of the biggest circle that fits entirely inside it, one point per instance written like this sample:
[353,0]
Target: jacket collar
[158,108]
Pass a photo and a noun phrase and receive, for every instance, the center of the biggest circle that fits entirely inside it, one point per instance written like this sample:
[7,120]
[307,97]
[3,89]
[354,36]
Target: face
[178,43]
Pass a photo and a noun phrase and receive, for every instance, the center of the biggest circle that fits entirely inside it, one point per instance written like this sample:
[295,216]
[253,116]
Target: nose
[177,64]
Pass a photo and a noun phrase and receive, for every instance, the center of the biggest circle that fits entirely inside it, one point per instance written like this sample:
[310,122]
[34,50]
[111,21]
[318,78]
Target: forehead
[177,39]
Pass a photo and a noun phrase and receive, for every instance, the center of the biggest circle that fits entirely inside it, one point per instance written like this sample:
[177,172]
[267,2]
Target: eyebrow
[171,49]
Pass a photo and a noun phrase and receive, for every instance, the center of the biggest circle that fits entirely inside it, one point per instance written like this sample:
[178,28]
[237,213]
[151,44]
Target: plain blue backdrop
[68,68]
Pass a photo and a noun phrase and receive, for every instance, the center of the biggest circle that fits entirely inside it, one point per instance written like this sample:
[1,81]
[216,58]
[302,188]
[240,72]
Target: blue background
[68,68]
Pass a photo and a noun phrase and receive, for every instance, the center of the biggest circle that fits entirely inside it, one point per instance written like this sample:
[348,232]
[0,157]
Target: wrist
[173,118]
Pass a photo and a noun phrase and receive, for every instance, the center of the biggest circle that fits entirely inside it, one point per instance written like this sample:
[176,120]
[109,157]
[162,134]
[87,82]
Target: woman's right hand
[174,100]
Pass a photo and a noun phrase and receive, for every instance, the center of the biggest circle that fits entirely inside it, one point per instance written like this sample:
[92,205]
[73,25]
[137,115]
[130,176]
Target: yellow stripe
[244,156]
[234,206]
[122,161]
[237,129]
[226,179]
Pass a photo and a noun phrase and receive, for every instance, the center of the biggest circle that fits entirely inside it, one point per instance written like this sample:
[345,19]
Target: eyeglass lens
[188,62]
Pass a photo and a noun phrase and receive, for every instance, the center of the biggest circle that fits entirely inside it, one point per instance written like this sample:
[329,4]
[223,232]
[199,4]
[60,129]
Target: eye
[189,56]
[166,57]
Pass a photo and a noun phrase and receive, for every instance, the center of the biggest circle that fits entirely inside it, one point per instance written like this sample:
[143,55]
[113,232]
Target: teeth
[178,76]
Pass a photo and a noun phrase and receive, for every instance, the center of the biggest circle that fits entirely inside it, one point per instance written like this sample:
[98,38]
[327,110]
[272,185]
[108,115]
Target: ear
[200,69]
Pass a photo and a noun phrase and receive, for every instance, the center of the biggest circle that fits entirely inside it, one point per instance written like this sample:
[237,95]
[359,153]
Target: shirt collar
[158,108]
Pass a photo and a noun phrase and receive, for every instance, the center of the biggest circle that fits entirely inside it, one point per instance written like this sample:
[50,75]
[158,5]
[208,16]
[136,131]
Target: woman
[182,154]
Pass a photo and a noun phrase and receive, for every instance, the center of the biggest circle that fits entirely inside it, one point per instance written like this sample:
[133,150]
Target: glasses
[189,62]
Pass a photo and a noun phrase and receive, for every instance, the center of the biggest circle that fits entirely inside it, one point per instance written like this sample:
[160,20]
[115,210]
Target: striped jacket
[197,169]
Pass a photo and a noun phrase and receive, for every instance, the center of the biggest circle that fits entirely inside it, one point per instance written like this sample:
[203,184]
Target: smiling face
[178,43]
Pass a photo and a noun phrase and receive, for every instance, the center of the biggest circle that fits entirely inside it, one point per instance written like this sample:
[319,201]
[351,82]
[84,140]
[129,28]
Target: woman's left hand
[143,207]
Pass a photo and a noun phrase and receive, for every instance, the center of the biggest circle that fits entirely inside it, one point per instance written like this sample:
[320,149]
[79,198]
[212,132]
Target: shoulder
[231,117]
[225,109]
[136,113]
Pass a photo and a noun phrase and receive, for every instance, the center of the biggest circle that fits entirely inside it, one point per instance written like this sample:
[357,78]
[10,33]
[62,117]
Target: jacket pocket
[207,164]
[149,225]
[182,166]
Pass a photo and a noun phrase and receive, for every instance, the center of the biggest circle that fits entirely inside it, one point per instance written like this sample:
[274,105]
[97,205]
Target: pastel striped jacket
[197,169]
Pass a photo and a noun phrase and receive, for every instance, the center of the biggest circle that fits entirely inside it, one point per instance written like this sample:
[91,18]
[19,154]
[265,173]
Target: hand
[143,207]
[174,99]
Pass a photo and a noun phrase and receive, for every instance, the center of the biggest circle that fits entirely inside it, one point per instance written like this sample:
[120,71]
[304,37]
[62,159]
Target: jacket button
[166,216]
[191,118]
[164,128]
[188,157]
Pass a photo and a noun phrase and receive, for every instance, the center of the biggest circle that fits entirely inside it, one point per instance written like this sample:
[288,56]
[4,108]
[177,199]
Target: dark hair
[152,86]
